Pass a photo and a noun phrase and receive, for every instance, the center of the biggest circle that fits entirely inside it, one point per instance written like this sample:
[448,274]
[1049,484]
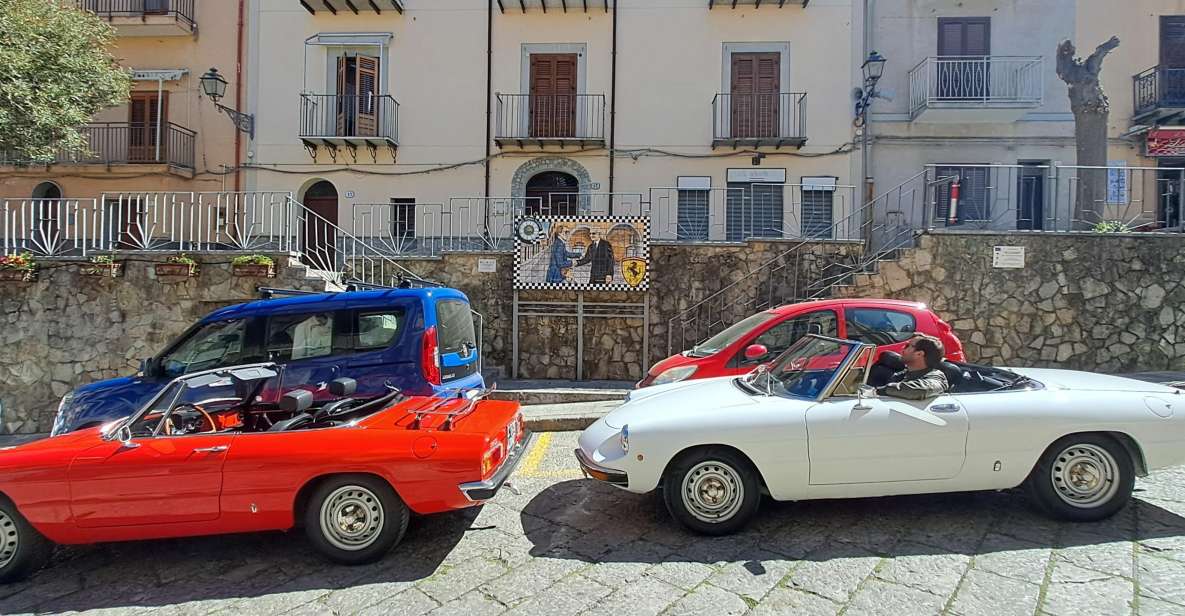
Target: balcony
[755,3]
[555,5]
[967,89]
[145,17]
[352,6]
[125,143]
[526,120]
[1158,94]
[759,120]
[336,121]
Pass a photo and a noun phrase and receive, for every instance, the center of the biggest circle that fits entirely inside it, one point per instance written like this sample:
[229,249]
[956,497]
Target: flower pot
[103,270]
[175,269]
[17,275]
[255,270]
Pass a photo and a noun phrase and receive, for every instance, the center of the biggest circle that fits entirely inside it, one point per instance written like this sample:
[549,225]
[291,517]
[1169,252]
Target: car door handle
[214,449]
[945,408]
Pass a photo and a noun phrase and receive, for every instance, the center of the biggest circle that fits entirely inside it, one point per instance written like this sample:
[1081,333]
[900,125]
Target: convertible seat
[291,422]
[955,376]
[888,364]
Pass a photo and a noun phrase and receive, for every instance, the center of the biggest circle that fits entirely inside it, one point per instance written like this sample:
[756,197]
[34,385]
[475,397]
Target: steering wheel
[171,428]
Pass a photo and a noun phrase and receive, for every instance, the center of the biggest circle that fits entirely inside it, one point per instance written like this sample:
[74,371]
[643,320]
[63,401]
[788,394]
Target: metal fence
[338,115]
[976,80]
[759,117]
[533,117]
[181,9]
[1159,86]
[120,143]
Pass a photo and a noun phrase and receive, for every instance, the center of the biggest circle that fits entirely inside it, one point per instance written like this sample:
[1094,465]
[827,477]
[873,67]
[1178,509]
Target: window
[357,89]
[212,346]
[403,220]
[455,327]
[754,94]
[879,326]
[377,329]
[974,193]
[849,384]
[754,210]
[779,337]
[963,46]
[299,336]
[692,218]
[817,218]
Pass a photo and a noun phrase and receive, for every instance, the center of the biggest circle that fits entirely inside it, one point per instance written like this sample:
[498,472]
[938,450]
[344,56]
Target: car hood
[682,399]
[46,451]
[1077,380]
[673,361]
[102,401]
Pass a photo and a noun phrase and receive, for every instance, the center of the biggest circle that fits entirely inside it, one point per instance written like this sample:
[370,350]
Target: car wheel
[23,550]
[355,519]
[1082,478]
[712,491]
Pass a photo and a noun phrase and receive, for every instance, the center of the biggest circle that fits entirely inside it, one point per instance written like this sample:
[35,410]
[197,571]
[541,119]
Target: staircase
[811,269]
[337,256]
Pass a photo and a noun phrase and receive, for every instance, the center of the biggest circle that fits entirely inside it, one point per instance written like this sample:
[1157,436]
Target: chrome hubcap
[351,518]
[1085,476]
[8,539]
[712,492]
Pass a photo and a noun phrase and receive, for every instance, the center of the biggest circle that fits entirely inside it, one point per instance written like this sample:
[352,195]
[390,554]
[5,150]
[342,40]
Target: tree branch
[1067,68]
[1094,63]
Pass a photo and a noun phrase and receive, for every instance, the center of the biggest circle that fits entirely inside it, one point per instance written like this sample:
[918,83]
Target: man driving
[921,378]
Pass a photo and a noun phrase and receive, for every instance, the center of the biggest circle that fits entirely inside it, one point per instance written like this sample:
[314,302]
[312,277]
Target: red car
[757,339]
[206,457]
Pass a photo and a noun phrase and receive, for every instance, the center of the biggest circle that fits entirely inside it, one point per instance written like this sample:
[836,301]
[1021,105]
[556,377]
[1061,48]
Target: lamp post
[214,86]
[873,68]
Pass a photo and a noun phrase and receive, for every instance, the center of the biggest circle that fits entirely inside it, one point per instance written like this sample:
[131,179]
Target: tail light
[430,357]
[491,458]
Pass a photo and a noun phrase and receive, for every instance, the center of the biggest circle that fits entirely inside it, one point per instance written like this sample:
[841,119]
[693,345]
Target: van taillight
[430,357]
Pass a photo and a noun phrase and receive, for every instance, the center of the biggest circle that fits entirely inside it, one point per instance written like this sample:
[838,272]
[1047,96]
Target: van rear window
[455,325]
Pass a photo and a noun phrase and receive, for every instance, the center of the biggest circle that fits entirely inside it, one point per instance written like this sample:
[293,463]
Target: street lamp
[214,86]
[873,68]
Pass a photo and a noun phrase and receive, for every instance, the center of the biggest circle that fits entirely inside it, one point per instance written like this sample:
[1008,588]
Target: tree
[56,72]
[1090,107]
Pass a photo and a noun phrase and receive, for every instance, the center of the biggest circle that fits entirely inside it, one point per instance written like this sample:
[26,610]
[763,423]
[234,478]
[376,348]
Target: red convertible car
[211,455]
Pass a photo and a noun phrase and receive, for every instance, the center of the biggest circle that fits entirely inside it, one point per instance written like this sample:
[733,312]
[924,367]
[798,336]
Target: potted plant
[103,266]
[19,268]
[261,266]
[178,265]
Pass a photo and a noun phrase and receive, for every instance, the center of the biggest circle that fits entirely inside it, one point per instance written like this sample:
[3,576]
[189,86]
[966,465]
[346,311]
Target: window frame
[738,359]
[848,334]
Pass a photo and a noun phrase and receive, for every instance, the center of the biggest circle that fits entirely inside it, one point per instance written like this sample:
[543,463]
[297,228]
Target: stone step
[547,391]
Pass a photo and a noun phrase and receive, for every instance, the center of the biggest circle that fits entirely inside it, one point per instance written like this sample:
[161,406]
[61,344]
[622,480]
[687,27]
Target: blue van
[422,341]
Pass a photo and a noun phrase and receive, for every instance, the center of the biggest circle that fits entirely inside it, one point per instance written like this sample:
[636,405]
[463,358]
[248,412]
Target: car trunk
[1089,381]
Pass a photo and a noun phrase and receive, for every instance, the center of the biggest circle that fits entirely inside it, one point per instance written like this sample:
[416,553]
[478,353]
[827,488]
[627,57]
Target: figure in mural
[600,254]
[561,258]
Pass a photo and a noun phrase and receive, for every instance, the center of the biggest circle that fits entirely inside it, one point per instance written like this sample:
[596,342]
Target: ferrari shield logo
[633,269]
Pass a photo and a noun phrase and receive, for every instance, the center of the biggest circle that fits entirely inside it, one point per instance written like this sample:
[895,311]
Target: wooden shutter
[964,36]
[963,78]
[142,127]
[755,93]
[553,95]
[367,91]
[344,92]
[1172,41]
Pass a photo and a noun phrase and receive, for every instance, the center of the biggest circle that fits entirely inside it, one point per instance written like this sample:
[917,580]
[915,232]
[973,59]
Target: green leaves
[56,72]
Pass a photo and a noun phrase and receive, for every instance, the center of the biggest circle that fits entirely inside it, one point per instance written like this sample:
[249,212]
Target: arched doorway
[47,212]
[319,245]
[553,193]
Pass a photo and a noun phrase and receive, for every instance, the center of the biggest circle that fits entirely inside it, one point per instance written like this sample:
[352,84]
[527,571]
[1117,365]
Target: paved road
[567,545]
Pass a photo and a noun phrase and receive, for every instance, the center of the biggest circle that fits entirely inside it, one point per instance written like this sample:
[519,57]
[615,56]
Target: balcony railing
[759,119]
[557,119]
[1158,88]
[127,143]
[976,81]
[181,10]
[340,119]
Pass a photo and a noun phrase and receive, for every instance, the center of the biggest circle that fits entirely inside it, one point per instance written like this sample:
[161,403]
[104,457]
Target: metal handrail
[976,80]
[550,116]
[349,116]
[120,143]
[182,10]
[759,116]
[1159,86]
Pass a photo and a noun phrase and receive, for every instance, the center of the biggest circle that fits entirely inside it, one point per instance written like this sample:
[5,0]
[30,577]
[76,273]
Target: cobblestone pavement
[567,545]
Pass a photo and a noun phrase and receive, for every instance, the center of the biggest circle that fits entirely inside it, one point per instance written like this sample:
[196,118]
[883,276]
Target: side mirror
[123,434]
[755,352]
[815,328]
[148,367]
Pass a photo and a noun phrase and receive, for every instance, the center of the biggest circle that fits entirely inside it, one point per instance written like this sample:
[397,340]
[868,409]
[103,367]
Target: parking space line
[530,464]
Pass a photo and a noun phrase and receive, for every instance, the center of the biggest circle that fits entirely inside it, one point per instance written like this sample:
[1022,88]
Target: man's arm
[928,385]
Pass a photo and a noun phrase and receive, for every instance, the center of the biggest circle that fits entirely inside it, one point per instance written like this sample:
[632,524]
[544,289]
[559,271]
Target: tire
[1082,478]
[712,491]
[377,519]
[23,550]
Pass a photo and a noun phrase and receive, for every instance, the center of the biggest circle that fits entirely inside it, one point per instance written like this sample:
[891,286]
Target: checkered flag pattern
[538,266]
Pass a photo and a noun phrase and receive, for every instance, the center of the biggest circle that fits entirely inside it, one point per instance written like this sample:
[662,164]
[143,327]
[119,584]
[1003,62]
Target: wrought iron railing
[984,81]
[746,117]
[369,116]
[126,143]
[534,117]
[1158,87]
[182,10]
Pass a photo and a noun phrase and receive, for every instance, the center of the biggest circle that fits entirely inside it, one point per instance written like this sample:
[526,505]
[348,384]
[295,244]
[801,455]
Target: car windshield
[735,332]
[805,369]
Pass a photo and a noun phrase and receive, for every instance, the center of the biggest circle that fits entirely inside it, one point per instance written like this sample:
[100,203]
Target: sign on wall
[1008,257]
[1166,141]
[1117,182]
[766,176]
[582,253]
[487,266]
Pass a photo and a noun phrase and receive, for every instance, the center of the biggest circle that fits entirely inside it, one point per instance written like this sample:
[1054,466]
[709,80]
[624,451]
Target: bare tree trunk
[1090,107]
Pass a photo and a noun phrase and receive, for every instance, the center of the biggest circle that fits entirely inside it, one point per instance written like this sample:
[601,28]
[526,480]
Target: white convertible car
[809,426]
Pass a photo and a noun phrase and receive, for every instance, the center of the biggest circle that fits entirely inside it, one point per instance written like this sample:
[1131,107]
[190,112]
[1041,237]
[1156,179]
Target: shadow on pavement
[222,569]
[589,521]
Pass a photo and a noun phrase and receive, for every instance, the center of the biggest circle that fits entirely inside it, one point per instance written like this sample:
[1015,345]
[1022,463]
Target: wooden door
[755,93]
[143,108]
[319,247]
[367,78]
[963,46]
[553,97]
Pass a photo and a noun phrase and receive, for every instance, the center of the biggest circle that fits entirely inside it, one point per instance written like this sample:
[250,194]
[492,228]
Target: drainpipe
[866,130]
[239,98]
[489,93]
[613,106]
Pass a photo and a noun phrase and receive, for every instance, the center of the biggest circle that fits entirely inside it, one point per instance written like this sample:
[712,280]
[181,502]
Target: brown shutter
[142,120]
[1172,41]
[367,89]
[756,88]
[342,100]
[553,95]
[964,36]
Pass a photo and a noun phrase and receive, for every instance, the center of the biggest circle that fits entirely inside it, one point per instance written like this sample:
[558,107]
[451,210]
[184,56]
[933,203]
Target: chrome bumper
[600,473]
[477,491]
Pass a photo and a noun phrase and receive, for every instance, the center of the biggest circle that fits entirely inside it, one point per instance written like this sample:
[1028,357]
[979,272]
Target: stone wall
[66,329]
[1106,302]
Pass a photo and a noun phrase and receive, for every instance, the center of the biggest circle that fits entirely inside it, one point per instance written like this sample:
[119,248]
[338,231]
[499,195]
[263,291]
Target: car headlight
[625,438]
[674,375]
[59,420]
